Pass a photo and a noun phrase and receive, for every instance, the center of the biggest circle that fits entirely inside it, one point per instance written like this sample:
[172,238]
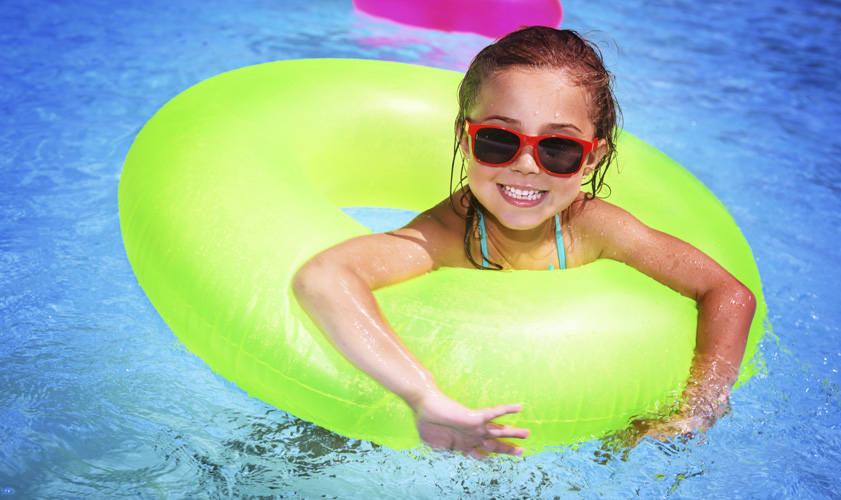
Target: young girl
[536,122]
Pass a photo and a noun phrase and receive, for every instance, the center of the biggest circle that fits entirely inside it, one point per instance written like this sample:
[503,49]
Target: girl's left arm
[725,308]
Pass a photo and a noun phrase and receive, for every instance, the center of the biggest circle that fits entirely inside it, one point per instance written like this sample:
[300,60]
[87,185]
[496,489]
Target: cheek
[478,175]
[472,170]
[568,189]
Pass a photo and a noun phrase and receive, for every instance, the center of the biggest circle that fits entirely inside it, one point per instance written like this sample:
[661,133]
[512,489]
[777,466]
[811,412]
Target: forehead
[526,93]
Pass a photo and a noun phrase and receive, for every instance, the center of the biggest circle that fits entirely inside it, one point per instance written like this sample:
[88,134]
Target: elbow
[309,279]
[740,305]
[743,298]
[322,278]
[732,298]
[299,283]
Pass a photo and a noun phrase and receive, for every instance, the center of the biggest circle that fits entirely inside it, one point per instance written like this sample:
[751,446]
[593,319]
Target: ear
[464,140]
[593,159]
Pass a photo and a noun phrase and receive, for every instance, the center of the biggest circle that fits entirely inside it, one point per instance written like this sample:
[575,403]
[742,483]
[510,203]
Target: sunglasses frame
[529,140]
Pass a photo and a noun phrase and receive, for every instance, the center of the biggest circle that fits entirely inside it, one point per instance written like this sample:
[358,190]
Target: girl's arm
[335,289]
[725,307]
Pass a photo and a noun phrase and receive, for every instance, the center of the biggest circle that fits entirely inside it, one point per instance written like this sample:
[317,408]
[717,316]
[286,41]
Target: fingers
[494,430]
[500,446]
[491,446]
[493,412]
[471,432]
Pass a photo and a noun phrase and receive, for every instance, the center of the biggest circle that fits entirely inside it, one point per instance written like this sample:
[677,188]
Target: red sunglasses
[557,155]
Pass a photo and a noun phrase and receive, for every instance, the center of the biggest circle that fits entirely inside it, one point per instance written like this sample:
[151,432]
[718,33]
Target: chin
[523,221]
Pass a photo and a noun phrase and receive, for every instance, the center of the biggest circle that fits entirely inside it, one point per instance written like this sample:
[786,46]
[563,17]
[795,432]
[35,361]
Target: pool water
[98,399]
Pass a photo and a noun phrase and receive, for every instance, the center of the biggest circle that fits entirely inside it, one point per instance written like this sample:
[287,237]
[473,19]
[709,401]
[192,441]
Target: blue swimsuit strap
[559,242]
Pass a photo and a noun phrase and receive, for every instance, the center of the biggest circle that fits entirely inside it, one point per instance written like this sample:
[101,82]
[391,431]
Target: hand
[688,421]
[705,400]
[445,423]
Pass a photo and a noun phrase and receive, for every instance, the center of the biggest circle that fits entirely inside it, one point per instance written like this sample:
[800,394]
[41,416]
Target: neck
[520,248]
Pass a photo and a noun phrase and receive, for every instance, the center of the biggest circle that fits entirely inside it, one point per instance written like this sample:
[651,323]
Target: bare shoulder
[595,226]
[597,215]
[428,242]
[440,231]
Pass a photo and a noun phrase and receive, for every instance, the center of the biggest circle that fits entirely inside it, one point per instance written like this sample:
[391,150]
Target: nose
[526,161]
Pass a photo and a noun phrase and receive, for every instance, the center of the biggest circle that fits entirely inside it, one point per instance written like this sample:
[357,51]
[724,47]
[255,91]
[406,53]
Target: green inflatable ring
[237,181]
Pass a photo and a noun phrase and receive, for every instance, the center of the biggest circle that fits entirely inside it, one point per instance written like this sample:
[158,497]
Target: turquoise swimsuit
[559,241]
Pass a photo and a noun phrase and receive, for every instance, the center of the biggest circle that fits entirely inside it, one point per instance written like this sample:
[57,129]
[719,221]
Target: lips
[521,197]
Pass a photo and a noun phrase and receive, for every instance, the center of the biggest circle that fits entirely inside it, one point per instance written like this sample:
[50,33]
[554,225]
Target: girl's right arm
[335,288]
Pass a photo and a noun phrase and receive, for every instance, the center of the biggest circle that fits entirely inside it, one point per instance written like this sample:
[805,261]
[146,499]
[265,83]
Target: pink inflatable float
[492,18]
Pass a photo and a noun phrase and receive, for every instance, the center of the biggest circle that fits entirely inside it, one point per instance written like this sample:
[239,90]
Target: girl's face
[531,101]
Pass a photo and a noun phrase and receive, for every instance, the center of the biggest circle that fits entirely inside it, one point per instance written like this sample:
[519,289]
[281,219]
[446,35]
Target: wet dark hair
[538,47]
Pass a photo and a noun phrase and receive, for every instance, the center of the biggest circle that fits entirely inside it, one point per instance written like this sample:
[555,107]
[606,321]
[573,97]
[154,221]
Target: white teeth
[523,194]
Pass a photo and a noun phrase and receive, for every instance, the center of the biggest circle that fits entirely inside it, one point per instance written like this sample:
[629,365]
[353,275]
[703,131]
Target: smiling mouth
[523,194]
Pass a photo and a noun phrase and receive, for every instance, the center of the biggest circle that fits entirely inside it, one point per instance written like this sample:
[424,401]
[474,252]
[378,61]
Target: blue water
[98,399]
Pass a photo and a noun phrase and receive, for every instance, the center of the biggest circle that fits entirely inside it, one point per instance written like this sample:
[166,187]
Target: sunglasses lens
[495,146]
[559,155]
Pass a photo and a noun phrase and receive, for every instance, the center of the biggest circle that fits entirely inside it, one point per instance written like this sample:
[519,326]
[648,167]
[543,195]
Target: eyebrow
[552,126]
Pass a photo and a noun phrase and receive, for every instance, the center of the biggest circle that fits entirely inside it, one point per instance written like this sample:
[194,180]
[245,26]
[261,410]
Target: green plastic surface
[237,181]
